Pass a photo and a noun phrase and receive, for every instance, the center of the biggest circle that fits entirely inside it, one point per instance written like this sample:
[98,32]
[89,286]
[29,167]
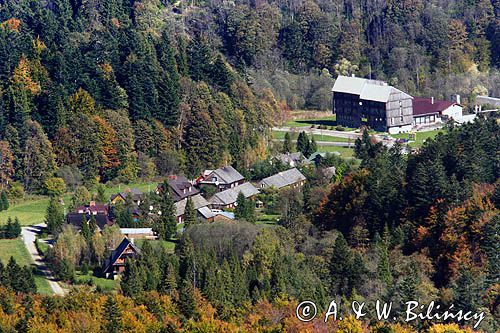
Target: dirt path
[29,236]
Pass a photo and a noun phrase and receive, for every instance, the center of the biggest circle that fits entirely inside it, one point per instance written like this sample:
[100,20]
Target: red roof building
[430,111]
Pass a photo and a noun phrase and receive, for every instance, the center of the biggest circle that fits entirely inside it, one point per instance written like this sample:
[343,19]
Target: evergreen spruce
[287,144]
[101,194]
[189,213]
[4,201]
[167,223]
[112,316]
[54,216]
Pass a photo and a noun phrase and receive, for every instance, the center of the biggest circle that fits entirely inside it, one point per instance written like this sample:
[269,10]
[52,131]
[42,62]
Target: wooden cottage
[115,264]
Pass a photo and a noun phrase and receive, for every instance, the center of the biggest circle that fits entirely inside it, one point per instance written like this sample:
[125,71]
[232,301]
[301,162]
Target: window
[392,121]
[401,119]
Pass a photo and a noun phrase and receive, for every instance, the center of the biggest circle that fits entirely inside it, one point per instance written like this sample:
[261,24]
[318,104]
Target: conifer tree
[287,144]
[112,316]
[240,210]
[85,229]
[384,266]
[187,267]
[167,223]
[187,301]
[189,213]
[169,281]
[101,194]
[54,216]
[4,201]
[303,143]
[341,266]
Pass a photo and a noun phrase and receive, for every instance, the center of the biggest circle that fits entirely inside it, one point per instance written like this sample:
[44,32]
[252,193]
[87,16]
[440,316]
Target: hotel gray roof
[283,179]
[229,196]
[371,90]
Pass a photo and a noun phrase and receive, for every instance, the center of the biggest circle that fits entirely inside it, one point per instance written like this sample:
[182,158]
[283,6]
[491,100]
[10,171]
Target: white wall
[400,129]
[454,111]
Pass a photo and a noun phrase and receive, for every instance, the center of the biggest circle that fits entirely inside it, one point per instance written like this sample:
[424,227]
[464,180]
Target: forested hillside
[126,89]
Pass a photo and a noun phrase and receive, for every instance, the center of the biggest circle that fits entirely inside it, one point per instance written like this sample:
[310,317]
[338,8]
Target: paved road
[29,236]
[328,143]
[339,134]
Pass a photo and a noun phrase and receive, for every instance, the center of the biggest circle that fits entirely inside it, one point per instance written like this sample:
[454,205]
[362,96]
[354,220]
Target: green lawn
[168,245]
[421,137]
[102,283]
[344,151]
[15,248]
[32,210]
[281,135]
[267,219]
[325,121]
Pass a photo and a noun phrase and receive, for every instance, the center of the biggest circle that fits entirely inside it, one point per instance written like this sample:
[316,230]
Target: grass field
[325,121]
[281,135]
[168,245]
[344,151]
[267,219]
[15,248]
[421,137]
[32,209]
[101,283]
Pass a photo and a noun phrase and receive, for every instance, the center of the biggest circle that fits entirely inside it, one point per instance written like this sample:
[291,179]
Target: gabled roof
[283,179]
[230,196]
[137,194]
[198,202]
[370,90]
[290,157]
[423,106]
[76,219]
[119,251]
[181,188]
[94,208]
[226,175]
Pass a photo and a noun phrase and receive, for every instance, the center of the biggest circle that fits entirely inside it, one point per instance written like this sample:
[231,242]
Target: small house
[290,178]
[223,178]
[93,208]
[291,159]
[115,264]
[122,196]
[76,219]
[227,198]
[429,111]
[180,187]
[200,204]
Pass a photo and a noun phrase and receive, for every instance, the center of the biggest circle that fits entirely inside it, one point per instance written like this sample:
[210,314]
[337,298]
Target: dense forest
[121,89]
[97,91]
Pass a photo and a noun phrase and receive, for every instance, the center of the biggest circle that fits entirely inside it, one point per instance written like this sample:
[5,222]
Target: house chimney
[432,100]
[455,98]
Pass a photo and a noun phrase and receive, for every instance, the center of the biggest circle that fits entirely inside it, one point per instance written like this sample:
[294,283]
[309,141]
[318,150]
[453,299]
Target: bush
[340,128]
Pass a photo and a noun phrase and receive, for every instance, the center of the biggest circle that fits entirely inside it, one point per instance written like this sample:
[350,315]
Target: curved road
[29,235]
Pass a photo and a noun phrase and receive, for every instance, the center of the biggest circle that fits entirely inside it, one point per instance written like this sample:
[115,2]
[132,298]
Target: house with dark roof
[291,159]
[93,208]
[290,178]
[180,187]
[76,219]
[227,198]
[359,101]
[115,264]
[200,204]
[222,178]
[429,111]
[122,196]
